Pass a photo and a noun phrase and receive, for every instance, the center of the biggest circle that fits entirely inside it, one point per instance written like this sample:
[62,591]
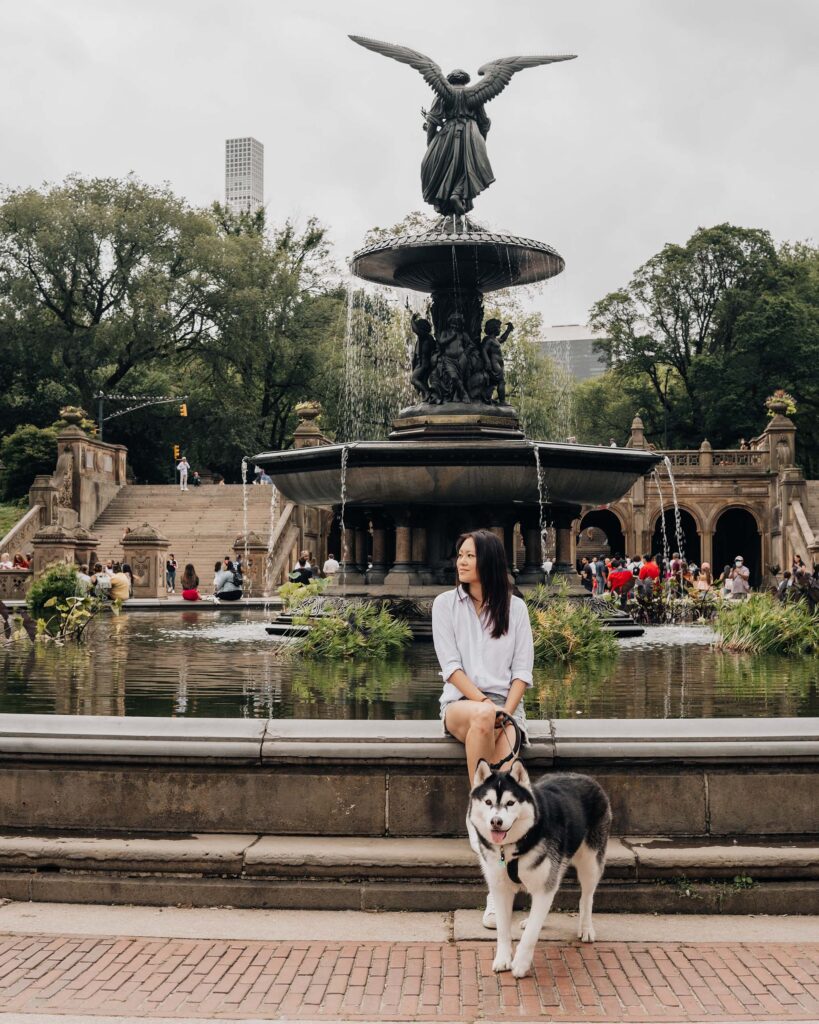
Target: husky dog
[528,835]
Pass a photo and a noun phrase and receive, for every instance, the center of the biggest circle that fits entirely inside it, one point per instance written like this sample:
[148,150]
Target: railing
[19,537]
[14,583]
[718,461]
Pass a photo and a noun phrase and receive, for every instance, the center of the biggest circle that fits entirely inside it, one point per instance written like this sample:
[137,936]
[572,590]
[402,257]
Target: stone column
[532,571]
[146,550]
[419,549]
[707,549]
[52,545]
[362,535]
[44,493]
[86,543]
[706,457]
[379,569]
[253,574]
[563,519]
[350,570]
[402,567]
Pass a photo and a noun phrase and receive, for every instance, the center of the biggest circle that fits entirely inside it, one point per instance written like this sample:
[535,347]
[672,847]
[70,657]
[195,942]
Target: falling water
[542,495]
[656,476]
[245,574]
[345,454]
[378,347]
[677,520]
[268,562]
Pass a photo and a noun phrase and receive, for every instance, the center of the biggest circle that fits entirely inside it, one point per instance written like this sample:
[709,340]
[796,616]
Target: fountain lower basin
[491,472]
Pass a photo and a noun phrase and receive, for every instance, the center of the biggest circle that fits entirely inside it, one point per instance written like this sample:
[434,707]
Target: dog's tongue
[497,836]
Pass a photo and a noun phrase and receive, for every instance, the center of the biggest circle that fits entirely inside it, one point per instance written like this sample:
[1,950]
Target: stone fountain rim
[428,452]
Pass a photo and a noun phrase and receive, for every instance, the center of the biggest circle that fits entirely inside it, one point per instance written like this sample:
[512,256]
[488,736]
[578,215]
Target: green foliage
[667,604]
[565,630]
[59,582]
[71,616]
[10,513]
[296,595]
[352,631]
[762,625]
[698,337]
[25,453]
[114,285]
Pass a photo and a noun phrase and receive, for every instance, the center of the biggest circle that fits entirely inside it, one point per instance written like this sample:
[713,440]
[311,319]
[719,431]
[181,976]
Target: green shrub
[295,595]
[352,631]
[10,513]
[566,630]
[60,582]
[762,625]
[25,453]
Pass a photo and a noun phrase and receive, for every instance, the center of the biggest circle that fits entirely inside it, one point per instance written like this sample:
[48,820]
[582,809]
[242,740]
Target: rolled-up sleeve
[443,636]
[523,656]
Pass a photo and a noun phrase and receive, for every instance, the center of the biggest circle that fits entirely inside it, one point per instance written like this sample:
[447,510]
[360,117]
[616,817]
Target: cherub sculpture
[456,167]
[423,356]
[491,344]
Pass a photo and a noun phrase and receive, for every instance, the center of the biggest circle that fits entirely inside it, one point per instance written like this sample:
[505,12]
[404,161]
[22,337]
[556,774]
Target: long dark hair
[494,577]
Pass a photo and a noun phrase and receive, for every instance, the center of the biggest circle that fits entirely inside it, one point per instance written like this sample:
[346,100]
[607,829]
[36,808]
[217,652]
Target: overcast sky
[676,114]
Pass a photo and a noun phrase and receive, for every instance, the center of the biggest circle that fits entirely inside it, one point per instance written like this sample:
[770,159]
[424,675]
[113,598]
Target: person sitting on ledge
[225,584]
[190,583]
[484,645]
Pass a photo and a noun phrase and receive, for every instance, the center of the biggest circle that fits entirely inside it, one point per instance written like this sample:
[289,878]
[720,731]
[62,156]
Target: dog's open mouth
[497,835]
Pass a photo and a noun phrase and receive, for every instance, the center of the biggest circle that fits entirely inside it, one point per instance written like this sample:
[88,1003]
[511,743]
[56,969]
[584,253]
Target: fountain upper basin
[496,472]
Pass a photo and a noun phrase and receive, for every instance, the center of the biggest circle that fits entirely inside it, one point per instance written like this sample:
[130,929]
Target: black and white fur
[533,833]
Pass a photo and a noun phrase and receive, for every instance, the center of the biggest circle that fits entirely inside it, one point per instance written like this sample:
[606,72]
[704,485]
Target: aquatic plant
[59,581]
[762,625]
[351,630]
[565,630]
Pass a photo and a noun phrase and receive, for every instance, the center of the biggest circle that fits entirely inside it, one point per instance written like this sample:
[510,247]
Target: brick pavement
[235,979]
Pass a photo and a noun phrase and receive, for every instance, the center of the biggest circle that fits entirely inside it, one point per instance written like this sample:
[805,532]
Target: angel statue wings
[456,167]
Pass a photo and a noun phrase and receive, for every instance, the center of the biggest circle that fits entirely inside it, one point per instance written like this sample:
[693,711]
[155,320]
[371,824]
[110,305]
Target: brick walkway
[416,981]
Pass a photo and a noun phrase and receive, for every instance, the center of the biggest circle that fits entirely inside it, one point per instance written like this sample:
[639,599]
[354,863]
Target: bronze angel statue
[456,167]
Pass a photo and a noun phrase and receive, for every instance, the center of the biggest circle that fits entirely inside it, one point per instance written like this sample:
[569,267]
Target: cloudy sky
[675,114]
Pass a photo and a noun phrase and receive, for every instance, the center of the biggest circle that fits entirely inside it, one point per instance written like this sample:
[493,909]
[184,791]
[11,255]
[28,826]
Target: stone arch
[691,527]
[737,531]
[603,522]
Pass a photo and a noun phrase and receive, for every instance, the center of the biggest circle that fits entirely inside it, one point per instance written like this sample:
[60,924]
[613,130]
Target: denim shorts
[519,715]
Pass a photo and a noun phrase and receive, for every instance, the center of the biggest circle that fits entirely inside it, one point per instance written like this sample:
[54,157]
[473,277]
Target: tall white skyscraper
[244,174]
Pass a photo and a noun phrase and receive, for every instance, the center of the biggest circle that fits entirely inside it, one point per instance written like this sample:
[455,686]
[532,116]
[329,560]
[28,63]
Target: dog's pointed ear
[482,773]
[520,775]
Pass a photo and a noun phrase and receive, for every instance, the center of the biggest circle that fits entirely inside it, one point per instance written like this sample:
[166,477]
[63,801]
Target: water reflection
[223,664]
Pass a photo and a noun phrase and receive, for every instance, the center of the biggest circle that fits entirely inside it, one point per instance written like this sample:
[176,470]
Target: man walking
[183,466]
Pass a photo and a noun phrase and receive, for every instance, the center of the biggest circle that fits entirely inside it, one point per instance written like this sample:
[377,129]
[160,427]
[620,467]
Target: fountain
[458,459]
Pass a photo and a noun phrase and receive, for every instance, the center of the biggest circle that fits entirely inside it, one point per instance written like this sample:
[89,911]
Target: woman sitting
[225,587]
[190,584]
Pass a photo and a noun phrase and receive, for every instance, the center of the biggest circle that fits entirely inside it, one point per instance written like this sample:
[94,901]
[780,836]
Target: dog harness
[522,846]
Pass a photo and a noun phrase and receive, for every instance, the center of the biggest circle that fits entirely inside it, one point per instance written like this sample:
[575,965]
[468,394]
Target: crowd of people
[19,561]
[621,576]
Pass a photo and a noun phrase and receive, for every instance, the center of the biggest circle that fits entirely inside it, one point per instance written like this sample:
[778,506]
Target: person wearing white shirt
[183,466]
[483,640]
[331,566]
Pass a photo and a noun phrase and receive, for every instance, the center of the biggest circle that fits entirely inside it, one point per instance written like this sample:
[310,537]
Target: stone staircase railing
[15,582]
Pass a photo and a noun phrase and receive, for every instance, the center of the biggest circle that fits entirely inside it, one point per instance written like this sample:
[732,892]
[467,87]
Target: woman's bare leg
[473,723]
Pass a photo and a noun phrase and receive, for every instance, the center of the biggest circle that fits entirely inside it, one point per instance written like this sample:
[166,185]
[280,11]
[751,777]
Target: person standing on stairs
[170,574]
[183,466]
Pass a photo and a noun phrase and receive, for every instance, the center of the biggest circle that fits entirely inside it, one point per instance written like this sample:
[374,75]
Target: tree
[102,276]
[29,450]
[680,311]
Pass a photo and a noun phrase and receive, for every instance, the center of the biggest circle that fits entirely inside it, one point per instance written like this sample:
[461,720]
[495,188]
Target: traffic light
[183,409]
[176,452]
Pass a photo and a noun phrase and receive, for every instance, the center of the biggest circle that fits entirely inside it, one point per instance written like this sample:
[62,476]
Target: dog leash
[514,752]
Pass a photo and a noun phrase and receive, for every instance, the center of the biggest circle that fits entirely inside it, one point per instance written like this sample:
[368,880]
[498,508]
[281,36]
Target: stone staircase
[201,523]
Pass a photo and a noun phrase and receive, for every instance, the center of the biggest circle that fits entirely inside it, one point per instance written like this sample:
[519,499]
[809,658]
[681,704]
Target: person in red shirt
[649,573]
[621,580]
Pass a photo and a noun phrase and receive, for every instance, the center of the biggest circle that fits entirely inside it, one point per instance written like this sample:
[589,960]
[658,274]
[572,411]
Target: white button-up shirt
[464,641]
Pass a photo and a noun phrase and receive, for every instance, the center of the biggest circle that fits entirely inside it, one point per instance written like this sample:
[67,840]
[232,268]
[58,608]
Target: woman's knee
[483,719]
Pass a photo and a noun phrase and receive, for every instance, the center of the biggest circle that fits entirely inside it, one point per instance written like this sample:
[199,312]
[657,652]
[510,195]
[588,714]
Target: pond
[223,664]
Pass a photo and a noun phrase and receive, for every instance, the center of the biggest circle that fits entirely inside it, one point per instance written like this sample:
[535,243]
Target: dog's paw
[502,962]
[586,934]
[521,966]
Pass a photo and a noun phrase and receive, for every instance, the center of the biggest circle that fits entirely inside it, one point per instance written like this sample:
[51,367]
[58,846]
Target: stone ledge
[209,854]
[636,858]
[413,743]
